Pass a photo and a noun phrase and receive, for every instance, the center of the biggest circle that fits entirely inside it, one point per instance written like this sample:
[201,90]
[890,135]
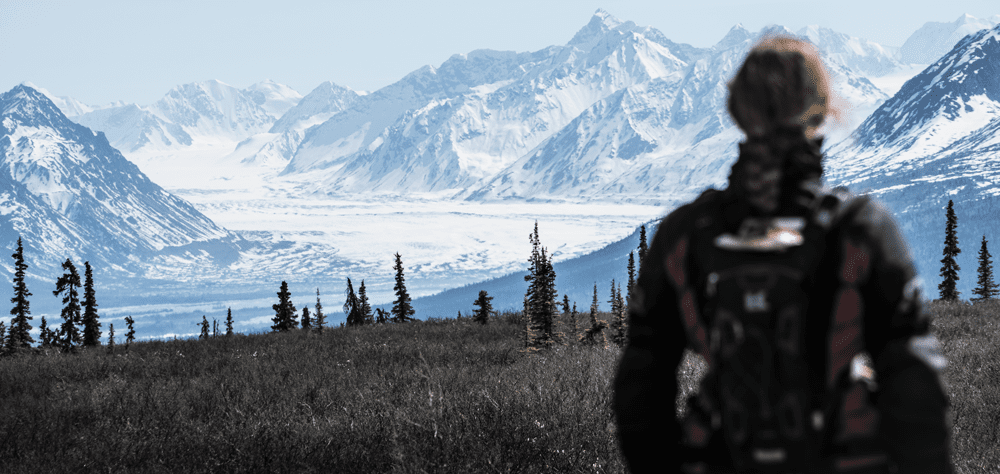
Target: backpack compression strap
[858,419]
[846,334]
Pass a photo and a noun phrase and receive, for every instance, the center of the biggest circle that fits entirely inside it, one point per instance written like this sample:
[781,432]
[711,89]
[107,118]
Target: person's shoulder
[690,211]
[682,219]
[866,218]
[861,210]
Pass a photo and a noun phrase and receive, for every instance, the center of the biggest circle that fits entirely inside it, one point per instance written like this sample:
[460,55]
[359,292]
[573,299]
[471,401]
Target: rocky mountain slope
[69,193]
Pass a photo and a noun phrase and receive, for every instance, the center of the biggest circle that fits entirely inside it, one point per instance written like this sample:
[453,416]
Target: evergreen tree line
[357,308]
[541,304]
[986,288]
[81,325]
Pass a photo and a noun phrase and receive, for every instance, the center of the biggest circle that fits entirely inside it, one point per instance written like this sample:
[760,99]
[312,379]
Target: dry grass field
[444,396]
[970,339]
[437,396]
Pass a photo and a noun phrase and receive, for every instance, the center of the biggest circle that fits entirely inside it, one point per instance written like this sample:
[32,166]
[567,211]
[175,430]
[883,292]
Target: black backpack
[758,304]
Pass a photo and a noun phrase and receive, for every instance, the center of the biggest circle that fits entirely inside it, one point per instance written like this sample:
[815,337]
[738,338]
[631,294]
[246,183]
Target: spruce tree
[618,324]
[643,248]
[215,327]
[204,328]
[130,334]
[566,314]
[613,300]
[482,314]
[68,285]
[572,318]
[352,306]
[320,317]
[950,268]
[551,302]
[402,310]
[229,321]
[111,338]
[595,333]
[381,316]
[20,326]
[541,297]
[306,319]
[631,277]
[91,323]
[366,309]
[284,311]
[986,288]
[45,334]
[533,292]
[3,338]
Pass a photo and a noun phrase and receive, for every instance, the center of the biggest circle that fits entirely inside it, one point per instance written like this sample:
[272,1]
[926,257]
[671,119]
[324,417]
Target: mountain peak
[29,90]
[68,105]
[214,107]
[934,39]
[736,35]
[27,101]
[38,89]
[606,18]
[965,18]
[776,30]
[600,24]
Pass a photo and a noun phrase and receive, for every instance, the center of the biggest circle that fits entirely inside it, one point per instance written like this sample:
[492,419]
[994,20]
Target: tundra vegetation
[443,395]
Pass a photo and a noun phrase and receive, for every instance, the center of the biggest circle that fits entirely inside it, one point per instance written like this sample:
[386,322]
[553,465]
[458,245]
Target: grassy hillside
[437,396]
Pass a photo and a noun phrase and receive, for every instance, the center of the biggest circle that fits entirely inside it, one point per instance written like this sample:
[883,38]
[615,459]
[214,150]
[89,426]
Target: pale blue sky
[136,50]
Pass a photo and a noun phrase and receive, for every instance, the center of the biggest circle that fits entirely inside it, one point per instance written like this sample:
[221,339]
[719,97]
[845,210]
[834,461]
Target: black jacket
[911,402]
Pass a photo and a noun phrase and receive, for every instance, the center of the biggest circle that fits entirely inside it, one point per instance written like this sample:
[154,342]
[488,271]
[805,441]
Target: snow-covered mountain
[68,193]
[316,107]
[214,109]
[935,39]
[130,127]
[936,140]
[857,54]
[209,111]
[275,148]
[68,105]
[331,144]
[658,139]
[441,129]
[467,128]
[619,107]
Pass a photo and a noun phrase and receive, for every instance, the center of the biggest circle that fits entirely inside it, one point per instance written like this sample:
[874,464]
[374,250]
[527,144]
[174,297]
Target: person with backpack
[803,301]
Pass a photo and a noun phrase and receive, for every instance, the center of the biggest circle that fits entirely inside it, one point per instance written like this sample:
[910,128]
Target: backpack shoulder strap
[831,207]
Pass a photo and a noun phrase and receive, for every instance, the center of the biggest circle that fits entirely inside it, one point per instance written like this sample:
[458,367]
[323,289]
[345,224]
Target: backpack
[764,306]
